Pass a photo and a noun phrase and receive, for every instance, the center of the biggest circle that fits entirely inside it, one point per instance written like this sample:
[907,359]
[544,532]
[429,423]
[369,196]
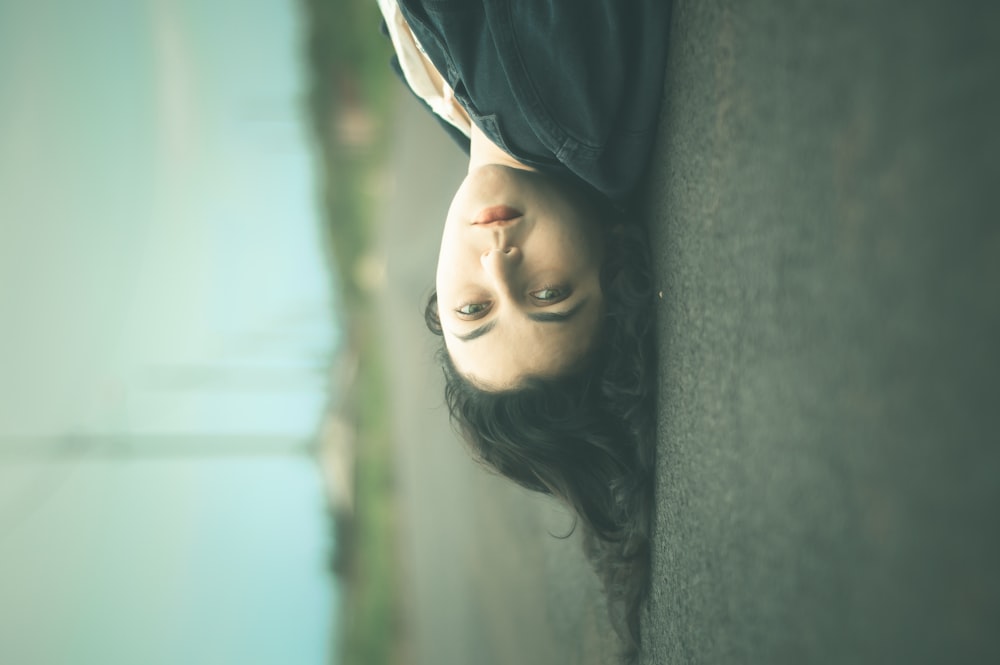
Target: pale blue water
[162,295]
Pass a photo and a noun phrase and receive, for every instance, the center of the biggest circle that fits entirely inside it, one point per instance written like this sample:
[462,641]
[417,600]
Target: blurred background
[176,324]
[222,437]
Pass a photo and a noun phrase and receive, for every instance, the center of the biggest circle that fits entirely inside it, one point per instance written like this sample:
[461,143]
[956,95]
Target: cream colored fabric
[420,72]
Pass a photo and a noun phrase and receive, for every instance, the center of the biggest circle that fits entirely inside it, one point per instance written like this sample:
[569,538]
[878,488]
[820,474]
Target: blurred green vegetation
[350,83]
[349,108]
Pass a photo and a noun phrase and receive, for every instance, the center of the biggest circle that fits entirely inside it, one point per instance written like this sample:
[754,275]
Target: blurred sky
[162,290]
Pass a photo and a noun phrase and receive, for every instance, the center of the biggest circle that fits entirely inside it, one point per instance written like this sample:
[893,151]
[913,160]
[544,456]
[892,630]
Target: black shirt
[562,85]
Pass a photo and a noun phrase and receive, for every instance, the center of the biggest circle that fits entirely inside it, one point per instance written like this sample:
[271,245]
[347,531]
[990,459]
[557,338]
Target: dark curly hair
[587,437]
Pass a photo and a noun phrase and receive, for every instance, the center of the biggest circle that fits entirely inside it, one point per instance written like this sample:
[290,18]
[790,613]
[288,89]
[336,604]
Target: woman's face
[518,277]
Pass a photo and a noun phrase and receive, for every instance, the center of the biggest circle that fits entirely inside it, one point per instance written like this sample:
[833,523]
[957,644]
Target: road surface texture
[822,205]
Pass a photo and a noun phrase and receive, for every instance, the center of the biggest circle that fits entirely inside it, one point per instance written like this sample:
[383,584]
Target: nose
[499,264]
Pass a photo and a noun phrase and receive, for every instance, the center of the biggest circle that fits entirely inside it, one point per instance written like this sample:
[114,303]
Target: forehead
[518,347]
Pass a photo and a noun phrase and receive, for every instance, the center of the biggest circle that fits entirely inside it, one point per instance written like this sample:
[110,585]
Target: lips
[496,215]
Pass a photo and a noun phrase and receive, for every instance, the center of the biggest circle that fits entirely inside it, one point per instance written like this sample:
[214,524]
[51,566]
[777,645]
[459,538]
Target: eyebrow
[541,317]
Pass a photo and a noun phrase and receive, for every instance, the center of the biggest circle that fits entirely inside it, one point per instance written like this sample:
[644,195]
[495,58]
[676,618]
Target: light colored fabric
[421,75]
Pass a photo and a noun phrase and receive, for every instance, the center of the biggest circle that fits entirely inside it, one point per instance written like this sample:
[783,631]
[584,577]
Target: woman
[543,291]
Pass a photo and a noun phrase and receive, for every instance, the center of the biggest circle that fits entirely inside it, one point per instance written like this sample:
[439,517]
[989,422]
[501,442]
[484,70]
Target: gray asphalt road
[484,580]
[826,230]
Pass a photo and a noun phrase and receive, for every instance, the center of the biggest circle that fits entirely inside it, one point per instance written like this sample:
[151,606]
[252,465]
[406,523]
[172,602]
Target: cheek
[576,252]
[444,284]
[455,269]
[450,251]
[590,245]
